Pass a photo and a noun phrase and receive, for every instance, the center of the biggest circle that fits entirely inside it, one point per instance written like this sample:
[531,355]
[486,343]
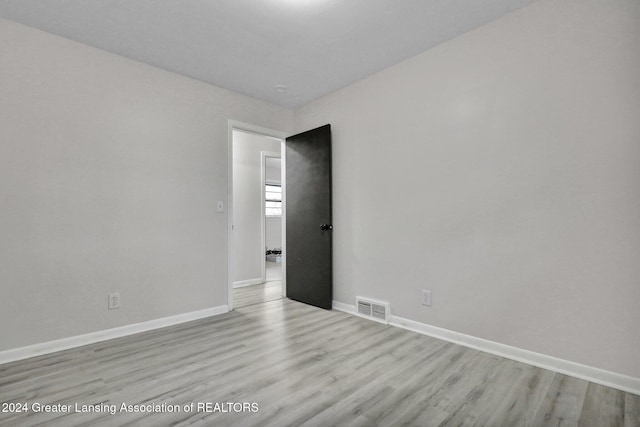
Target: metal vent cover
[375,310]
[364,308]
[379,311]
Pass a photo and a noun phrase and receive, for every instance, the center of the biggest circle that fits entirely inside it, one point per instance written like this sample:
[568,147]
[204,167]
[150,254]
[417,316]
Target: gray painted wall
[511,185]
[511,192]
[109,175]
[273,174]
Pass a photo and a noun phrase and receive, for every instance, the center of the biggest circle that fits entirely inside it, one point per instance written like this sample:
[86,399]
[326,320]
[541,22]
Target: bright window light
[273,200]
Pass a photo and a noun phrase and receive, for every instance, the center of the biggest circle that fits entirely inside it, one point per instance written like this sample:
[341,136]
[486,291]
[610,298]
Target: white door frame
[263,228]
[246,127]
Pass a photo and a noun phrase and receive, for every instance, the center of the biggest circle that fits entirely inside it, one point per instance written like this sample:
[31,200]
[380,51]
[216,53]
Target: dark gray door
[309,229]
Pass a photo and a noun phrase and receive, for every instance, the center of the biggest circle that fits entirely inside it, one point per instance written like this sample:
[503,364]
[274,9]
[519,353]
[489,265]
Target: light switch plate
[426,297]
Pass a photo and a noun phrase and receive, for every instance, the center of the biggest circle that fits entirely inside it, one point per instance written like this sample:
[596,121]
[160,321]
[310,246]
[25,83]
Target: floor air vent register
[374,310]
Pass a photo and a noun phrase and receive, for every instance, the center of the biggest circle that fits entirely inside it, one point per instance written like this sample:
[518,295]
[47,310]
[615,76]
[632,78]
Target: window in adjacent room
[273,200]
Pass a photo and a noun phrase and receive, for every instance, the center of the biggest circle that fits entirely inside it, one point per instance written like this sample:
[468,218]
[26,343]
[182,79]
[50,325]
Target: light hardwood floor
[304,366]
[255,294]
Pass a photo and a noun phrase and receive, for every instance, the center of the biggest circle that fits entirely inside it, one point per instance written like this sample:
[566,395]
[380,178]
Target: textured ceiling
[312,47]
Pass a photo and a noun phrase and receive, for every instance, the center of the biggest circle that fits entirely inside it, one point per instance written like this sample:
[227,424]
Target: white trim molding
[263,207]
[346,308]
[40,349]
[562,366]
[246,127]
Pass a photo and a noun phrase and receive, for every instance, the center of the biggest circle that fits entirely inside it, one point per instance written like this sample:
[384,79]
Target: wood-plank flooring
[303,366]
[256,294]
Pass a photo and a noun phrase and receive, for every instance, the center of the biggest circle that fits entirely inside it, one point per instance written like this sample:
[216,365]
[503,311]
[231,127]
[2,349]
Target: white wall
[513,190]
[273,171]
[109,175]
[248,249]
[273,233]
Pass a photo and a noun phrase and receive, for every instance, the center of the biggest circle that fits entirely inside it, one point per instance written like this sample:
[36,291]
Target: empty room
[320,212]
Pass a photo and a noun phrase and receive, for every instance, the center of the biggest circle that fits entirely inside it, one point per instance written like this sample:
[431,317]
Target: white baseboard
[566,367]
[40,349]
[250,282]
[347,308]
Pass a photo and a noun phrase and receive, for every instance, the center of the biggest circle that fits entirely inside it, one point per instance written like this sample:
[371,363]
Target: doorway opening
[256,241]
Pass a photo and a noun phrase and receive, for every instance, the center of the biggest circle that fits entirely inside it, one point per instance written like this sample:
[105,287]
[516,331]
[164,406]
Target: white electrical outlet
[114,300]
[426,297]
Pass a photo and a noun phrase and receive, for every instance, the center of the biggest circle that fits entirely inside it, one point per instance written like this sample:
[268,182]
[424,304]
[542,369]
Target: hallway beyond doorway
[256,294]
